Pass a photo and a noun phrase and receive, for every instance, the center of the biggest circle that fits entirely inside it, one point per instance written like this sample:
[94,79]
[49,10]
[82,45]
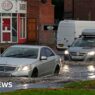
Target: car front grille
[7,68]
[77,54]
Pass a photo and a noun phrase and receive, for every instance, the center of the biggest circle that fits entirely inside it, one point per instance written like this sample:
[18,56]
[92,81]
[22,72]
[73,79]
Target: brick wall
[84,9]
[68,9]
[68,5]
[79,9]
[46,16]
[43,14]
[32,8]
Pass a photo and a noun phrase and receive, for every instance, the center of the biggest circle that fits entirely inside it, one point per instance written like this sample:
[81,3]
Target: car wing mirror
[43,58]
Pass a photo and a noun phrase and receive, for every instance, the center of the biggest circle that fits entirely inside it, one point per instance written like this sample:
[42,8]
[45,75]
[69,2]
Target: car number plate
[76,57]
[2,74]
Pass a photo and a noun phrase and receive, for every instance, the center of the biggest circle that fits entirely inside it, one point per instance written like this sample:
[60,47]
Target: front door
[6,28]
[32,30]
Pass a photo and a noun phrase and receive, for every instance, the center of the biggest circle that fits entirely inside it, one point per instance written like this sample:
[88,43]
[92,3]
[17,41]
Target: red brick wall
[68,5]
[43,14]
[68,9]
[46,17]
[32,8]
[84,9]
[46,14]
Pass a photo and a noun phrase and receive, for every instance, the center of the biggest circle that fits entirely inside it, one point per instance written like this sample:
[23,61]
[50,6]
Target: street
[54,23]
[68,73]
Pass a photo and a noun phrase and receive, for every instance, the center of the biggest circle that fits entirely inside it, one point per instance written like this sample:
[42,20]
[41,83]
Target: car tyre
[57,69]
[34,73]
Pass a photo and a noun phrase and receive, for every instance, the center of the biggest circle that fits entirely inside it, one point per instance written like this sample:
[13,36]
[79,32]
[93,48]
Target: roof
[88,32]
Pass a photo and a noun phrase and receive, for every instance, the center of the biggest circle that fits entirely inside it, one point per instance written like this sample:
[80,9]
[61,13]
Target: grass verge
[90,84]
[52,92]
[73,88]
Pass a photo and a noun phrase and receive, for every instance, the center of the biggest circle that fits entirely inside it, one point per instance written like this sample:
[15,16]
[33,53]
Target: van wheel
[34,73]
[57,69]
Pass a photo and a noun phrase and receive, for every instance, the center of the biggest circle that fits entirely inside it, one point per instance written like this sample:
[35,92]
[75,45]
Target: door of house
[32,30]
[6,29]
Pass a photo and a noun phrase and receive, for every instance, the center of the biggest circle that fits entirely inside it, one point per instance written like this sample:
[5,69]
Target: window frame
[45,52]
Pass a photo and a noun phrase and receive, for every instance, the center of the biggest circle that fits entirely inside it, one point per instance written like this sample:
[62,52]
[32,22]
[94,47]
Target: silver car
[83,49]
[27,60]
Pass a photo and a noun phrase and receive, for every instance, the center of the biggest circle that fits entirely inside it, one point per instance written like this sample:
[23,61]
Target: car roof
[89,32]
[29,46]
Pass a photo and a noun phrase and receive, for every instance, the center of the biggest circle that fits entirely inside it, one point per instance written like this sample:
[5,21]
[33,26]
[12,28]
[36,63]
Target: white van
[68,30]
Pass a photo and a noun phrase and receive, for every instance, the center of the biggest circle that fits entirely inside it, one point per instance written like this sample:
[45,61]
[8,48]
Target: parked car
[27,60]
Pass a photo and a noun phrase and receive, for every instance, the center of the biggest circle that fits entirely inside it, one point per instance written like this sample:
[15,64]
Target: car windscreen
[84,42]
[18,52]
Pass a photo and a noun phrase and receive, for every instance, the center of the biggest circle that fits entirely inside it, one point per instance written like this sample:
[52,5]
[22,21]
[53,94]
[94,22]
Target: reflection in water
[66,68]
[91,77]
[80,71]
[91,68]
[25,86]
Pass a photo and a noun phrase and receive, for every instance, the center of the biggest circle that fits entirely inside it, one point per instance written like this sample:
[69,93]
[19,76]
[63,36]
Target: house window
[6,24]
[23,26]
[14,27]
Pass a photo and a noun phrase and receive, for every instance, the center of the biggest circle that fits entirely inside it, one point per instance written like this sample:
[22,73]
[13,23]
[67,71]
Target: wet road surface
[68,72]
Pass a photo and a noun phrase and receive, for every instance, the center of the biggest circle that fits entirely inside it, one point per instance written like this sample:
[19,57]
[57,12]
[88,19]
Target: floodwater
[68,73]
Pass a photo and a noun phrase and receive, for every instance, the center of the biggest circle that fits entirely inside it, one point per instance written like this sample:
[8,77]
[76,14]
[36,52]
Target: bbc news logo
[6,84]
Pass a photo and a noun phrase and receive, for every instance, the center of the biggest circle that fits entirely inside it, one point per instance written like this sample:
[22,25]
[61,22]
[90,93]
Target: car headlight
[66,52]
[24,68]
[91,53]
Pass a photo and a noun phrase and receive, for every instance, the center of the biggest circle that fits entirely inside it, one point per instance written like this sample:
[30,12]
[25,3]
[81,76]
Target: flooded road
[81,71]
[68,72]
